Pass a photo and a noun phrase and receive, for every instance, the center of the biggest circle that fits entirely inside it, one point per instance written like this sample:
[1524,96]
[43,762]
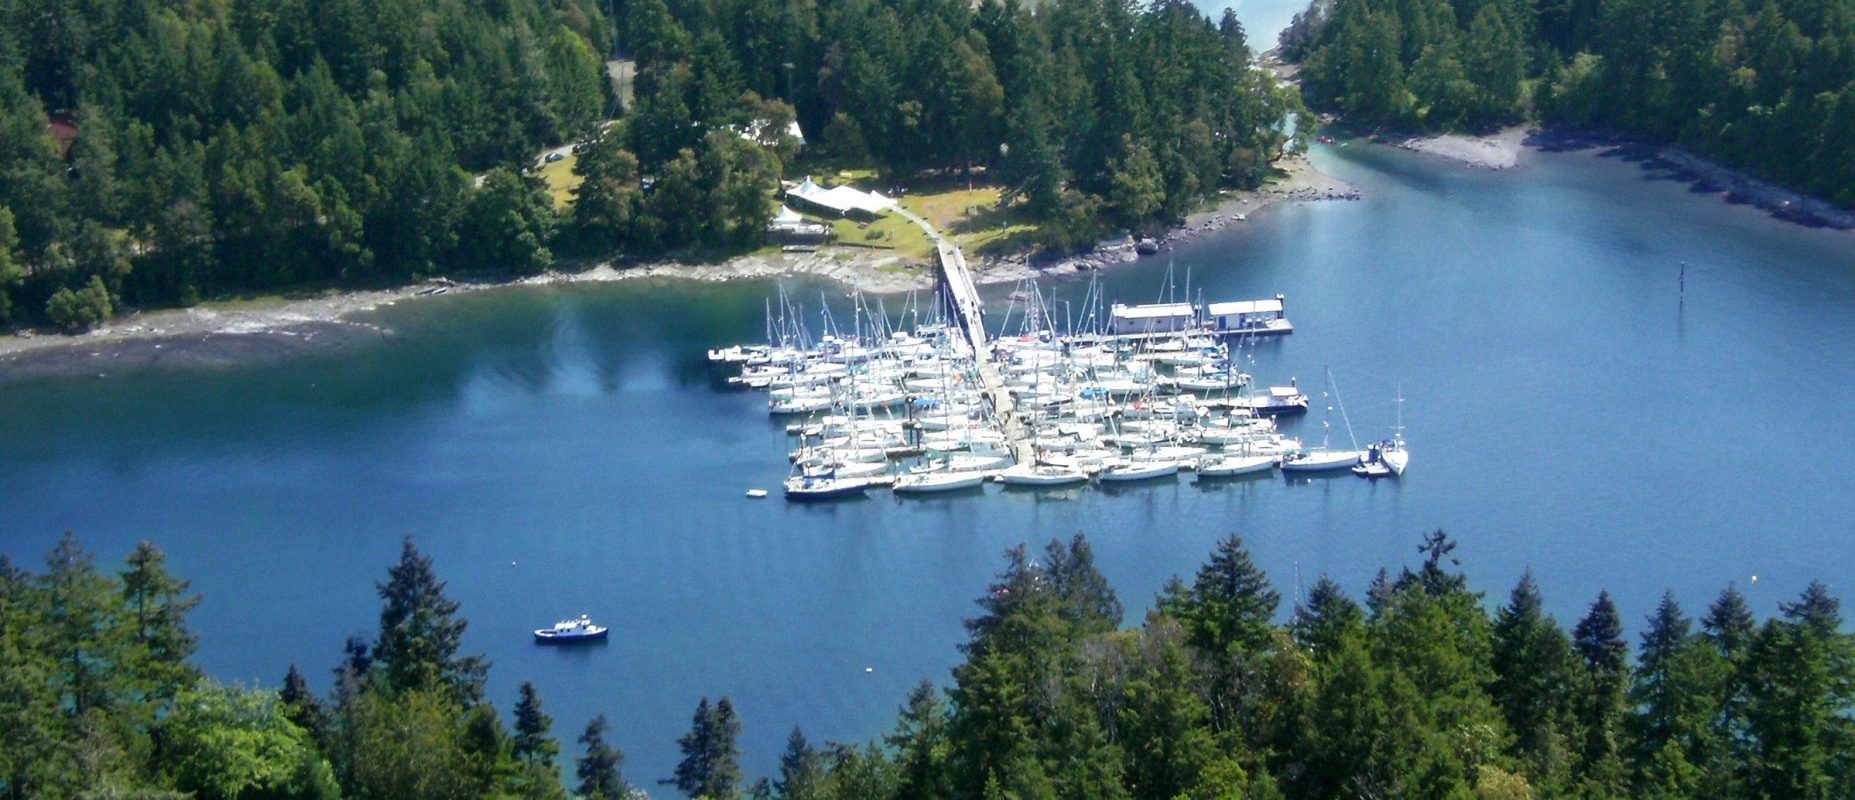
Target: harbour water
[567,450]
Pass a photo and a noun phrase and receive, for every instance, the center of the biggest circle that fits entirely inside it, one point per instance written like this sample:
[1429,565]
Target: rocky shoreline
[229,333]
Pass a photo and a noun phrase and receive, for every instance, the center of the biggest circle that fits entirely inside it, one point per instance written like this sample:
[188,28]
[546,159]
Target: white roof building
[840,200]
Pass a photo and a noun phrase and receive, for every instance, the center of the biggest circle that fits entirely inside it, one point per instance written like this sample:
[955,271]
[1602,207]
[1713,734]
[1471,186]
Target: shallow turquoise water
[561,450]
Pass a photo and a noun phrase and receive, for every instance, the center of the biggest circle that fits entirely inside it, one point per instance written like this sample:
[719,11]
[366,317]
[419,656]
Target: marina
[587,420]
[930,402]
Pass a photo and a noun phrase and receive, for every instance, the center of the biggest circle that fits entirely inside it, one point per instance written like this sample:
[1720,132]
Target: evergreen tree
[1598,640]
[1800,694]
[711,765]
[532,744]
[301,706]
[1676,693]
[420,633]
[80,620]
[921,743]
[1535,684]
[801,774]
[1088,602]
[1327,616]
[160,643]
[1230,605]
[598,769]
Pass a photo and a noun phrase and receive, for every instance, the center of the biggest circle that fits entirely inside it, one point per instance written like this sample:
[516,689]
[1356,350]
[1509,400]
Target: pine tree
[711,763]
[1598,639]
[801,774]
[80,626]
[1230,605]
[1533,684]
[920,742]
[598,770]
[1327,615]
[1676,692]
[301,706]
[420,633]
[160,643]
[532,744]
[1800,695]
[1087,600]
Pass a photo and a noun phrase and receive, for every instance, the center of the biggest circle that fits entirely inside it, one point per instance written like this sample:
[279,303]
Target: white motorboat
[1042,475]
[1226,466]
[937,482]
[1139,471]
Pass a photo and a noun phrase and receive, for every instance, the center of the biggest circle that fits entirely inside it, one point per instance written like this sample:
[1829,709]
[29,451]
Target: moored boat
[824,486]
[568,631]
[937,482]
[1048,475]
[1226,466]
[1138,471]
[1321,460]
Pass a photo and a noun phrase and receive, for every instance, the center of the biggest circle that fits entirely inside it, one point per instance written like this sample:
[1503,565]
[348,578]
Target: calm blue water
[561,450]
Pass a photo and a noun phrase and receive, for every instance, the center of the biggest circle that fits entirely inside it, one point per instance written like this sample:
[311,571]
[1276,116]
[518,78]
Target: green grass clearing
[561,180]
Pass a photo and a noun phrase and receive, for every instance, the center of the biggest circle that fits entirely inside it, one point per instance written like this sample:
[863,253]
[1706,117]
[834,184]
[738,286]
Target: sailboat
[1322,458]
[1388,458]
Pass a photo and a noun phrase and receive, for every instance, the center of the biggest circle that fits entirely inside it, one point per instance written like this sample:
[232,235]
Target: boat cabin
[1156,318]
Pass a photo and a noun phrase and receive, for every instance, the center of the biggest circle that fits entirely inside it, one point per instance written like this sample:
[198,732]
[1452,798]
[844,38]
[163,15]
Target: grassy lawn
[973,217]
[560,180]
[890,231]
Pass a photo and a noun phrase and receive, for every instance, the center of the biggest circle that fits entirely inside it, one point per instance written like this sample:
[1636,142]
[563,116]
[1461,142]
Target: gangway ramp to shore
[963,302]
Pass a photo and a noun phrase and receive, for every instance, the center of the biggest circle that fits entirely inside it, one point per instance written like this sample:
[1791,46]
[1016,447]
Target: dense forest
[1764,85]
[1419,691]
[155,152]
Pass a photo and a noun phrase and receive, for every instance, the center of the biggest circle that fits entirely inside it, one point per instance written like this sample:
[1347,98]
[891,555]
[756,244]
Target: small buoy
[756,493]
[869,669]
[511,563]
[1755,579]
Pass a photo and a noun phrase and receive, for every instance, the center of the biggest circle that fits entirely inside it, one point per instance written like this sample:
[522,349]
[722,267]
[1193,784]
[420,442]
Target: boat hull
[550,637]
[1231,467]
[1139,472]
[916,484]
[1323,462]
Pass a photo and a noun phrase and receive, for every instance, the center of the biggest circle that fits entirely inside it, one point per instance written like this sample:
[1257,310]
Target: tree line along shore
[1766,87]
[1419,691]
[159,156]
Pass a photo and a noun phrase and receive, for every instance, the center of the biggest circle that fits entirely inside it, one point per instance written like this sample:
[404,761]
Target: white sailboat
[1127,471]
[1227,466]
[1323,458]
[1042,475]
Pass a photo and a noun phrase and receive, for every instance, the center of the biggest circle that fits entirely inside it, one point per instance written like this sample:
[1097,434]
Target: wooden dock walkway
[963,302]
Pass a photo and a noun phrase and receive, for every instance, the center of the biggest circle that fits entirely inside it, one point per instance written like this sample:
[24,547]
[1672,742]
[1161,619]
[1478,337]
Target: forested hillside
[1764,85]
[1422,690]
[195,148]
[158,152]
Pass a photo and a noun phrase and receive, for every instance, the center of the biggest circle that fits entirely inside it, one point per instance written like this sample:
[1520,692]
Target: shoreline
[223,333]
[1506,149]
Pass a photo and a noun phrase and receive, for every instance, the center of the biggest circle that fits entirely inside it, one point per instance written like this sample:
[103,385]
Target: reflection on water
[568,450]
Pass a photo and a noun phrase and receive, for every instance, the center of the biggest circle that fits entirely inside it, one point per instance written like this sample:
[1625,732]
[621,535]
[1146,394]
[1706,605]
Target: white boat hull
[1229,466]
[1043,475]
[1323,461]
[936,482]
[1139,472]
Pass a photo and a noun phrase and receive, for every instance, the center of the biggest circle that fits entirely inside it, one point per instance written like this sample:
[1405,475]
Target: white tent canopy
[842,199]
